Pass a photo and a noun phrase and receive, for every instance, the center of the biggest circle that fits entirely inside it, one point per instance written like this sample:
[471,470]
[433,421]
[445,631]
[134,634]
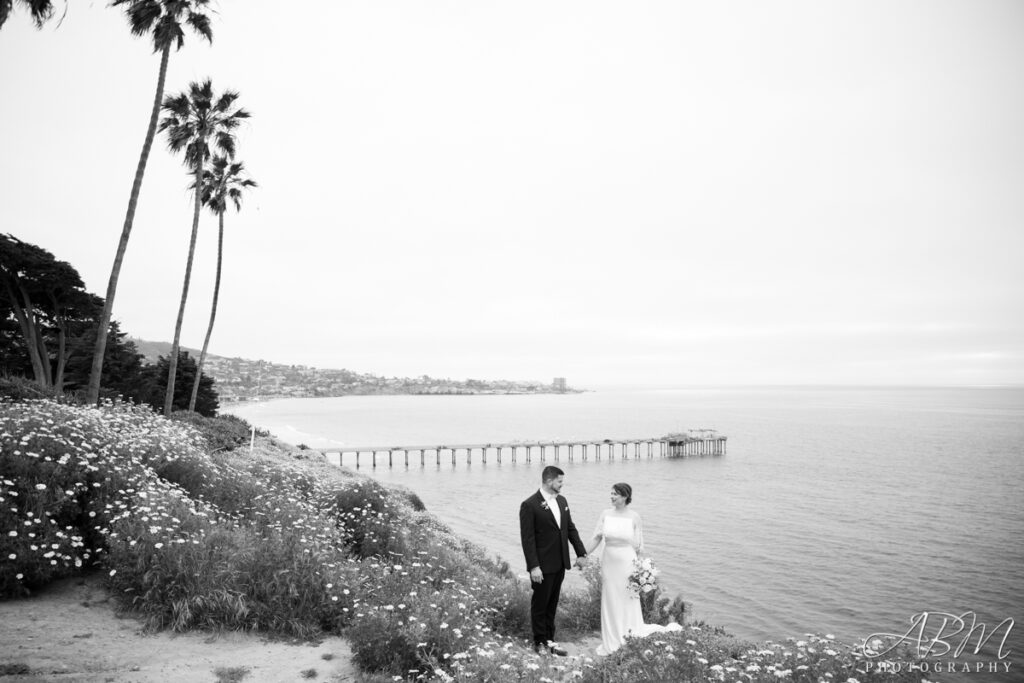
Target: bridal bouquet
[644,577]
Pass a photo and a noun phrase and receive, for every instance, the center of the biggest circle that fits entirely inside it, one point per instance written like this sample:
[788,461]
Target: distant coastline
[240,400]
[239,380]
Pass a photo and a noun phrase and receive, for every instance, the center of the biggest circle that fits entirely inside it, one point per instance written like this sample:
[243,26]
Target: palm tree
[195,121]
[164,20]
[223,181]
[41,10]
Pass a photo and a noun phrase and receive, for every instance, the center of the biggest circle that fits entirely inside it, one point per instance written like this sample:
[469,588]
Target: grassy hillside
[192,531]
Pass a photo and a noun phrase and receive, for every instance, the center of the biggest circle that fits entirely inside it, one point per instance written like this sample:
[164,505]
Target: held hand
[582,562]
[536,575]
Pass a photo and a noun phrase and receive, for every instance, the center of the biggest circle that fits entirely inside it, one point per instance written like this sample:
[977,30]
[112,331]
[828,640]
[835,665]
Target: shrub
[658,608]
[580,611]
[236,578]
[208,544]
[222,433]
[708,655]
[507,608]
[230,490]
[365,512]
[65,474]
[415,501]
[498,662]
[21,389]
[405,631]
[379,645]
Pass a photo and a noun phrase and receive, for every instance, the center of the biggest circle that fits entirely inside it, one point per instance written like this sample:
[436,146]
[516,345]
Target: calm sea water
[836,510]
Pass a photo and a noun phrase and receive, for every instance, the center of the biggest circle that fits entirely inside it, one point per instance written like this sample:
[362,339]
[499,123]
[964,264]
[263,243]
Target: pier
[681,445]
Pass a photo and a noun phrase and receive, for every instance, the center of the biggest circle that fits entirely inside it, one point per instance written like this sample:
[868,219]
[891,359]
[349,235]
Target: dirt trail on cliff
[71,632]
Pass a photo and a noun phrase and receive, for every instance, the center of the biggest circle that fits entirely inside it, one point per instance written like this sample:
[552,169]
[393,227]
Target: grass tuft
[231,674]
[15,669]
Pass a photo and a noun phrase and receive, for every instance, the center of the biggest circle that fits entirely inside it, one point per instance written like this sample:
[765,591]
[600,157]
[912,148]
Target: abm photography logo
[943,643]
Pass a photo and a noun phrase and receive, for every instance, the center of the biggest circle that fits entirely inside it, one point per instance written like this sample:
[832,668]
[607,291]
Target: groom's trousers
[543,605]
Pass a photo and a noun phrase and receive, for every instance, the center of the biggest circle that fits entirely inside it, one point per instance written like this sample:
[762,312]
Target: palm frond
[226,99]
[196,153]
[143,15]
[225,142]
[235,195]
[178,105]
[41,10]
[168,32]
[178,141]
[200,23]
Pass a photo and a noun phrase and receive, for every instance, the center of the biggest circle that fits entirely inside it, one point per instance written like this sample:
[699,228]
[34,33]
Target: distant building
[559,385]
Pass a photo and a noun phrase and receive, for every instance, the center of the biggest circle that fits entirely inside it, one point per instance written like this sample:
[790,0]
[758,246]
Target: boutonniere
[544,505]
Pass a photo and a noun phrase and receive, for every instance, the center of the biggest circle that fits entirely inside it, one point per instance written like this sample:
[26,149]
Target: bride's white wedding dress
[621,615]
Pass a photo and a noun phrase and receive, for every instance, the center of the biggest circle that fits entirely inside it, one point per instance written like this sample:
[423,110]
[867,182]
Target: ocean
[836,510]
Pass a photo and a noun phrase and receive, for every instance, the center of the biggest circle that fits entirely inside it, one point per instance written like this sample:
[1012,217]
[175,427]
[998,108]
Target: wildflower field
[191,532]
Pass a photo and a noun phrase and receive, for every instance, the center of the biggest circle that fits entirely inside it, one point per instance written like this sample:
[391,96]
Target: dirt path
[70,632]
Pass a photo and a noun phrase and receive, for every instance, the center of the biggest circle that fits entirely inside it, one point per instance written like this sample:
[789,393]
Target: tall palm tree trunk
[92,394]
[173,364]
[213,315]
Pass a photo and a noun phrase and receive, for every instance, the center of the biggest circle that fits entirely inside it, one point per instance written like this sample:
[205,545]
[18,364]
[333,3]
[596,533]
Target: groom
[546,528]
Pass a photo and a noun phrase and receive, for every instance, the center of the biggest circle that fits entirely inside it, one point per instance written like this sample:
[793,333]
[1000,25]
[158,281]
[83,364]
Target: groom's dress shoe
[557,651]
[540,648]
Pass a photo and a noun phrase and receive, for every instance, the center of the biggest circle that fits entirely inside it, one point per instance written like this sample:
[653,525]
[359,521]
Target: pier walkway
[681,445]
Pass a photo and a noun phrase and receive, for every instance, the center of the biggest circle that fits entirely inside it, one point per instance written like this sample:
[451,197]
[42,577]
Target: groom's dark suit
[546,545]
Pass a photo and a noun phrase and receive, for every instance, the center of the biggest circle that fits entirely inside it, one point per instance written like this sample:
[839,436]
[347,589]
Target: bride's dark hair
[624,490]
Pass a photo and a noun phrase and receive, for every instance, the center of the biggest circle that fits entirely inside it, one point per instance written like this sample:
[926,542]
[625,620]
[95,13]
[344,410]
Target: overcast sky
[616,192]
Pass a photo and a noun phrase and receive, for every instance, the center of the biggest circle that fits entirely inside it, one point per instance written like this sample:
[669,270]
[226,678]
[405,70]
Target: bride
[622,531]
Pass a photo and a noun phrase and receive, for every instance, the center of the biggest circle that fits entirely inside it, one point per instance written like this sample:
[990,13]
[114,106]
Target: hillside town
[241,379]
